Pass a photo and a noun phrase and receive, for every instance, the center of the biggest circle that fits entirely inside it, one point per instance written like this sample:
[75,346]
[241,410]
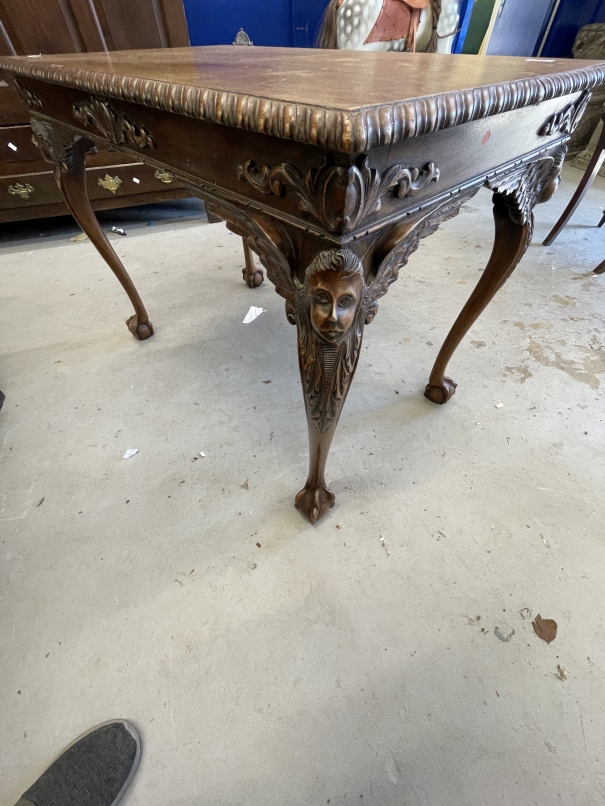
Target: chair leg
[592,170]
[600,268]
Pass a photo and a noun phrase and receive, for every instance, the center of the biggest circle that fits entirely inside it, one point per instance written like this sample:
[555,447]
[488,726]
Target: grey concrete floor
[321,666]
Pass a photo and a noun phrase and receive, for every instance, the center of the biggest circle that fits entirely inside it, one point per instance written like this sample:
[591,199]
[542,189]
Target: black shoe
[95,770]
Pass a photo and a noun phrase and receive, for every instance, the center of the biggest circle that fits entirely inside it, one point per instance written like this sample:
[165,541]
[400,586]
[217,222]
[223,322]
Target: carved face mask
[334,299]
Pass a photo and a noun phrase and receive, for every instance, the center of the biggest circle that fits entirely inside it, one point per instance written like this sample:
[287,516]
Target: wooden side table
[333,165]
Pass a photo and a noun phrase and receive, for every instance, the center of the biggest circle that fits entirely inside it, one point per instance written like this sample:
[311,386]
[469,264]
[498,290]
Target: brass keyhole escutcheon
[164,176]
[23,191]
[111,183]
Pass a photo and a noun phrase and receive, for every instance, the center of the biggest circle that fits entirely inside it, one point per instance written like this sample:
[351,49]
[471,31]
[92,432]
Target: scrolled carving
[339,197]
[565,121]
[114,126]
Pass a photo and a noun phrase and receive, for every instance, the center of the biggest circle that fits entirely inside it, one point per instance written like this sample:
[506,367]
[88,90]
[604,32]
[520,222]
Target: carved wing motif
[399,242]
[529,185]
[267,238]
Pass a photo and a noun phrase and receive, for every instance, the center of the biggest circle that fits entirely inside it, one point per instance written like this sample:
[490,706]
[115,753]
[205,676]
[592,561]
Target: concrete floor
[321,667]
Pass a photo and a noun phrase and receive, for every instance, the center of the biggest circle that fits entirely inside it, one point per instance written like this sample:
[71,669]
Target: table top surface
[357,88]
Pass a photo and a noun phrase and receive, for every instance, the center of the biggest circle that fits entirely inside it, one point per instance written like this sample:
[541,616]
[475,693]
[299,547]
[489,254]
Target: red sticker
[486,137]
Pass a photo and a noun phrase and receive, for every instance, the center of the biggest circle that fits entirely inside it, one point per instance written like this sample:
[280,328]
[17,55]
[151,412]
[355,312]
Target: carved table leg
[330,319]
[253,276]
[514,199]
[510,243]
[67,153]
[330,300]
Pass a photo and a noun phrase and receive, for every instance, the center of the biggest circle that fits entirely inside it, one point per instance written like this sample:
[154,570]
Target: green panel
[482,14]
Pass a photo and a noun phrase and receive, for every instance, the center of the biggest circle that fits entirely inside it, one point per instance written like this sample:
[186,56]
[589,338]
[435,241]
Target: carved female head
[334,289]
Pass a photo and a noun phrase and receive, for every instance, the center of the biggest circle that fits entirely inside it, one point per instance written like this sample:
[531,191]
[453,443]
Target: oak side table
[331,164]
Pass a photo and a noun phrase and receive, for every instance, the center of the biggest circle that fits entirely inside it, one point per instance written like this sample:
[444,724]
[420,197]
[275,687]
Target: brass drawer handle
[23,191]
[164,176]
[111,183]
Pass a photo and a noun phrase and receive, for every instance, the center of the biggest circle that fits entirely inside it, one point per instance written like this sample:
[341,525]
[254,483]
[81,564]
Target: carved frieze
[113,125]
[339,197]
[565,121]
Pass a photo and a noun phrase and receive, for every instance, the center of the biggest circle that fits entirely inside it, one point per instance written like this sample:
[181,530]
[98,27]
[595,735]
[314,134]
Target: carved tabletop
[331,164]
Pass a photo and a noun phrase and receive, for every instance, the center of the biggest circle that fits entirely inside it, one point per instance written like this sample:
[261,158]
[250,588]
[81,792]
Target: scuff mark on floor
[567,302]
[583,370]
[522,371]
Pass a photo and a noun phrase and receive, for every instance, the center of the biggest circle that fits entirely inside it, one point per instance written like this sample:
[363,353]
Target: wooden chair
[592,170]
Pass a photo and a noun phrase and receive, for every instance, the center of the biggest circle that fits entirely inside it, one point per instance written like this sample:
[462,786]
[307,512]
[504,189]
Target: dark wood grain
[332,166]
[350,101]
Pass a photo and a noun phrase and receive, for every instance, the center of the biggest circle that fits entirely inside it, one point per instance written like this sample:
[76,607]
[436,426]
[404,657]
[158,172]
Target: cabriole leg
[330,318]
[510,243]
[514,199]
[67,153]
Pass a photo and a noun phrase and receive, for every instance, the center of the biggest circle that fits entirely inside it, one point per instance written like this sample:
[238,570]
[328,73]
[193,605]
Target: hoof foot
[253,280]
[315,502]
[139,331]
[440,392]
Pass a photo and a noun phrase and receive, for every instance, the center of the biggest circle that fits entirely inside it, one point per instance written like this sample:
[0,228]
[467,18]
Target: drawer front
[102,183]
[13,109]
[16,144]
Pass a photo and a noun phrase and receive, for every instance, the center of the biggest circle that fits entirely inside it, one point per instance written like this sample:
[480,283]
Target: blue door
[279,23]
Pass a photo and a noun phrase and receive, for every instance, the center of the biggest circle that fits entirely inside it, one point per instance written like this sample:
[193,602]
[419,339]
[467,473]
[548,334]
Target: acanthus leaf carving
[565,121]
[114,126]
[533,183]
[339,197]
[55,143]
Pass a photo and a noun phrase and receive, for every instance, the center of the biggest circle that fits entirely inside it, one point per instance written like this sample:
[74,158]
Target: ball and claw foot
[253,280]
[442,392]
[139,331]
[315,502]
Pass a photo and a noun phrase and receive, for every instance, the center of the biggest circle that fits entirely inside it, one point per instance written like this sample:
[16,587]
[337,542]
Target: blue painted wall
[285,23]
[571,16]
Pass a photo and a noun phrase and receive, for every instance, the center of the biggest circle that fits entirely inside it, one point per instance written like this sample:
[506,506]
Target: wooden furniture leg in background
[600,268]
[592,169]
[67,153]
[253,276]
[514,199]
